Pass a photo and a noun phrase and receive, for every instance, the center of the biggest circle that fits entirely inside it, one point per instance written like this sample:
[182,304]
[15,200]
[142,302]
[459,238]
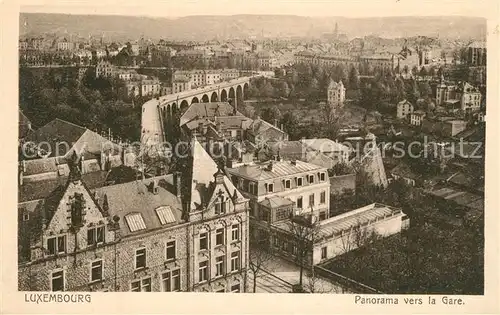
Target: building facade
[141,236]
[404,108]
[336,94]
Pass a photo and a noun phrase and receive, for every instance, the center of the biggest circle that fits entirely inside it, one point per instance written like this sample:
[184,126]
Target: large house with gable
[185,231]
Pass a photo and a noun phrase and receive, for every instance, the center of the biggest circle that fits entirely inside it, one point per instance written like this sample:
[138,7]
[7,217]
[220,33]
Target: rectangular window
[311,200]
[56,245]
[322,177]
[311,179]
[140,258]
[95,236]
[58,280]
[142,285]
[203,241]
[96,268]
[219,266]
[235,232]
[299,202]
[299,181]
[219,236]
[203,271]
[287,184]
[323,252]
[270,188]
[322,197]
[235,288]
[171,250]
[171,280]
[235,261]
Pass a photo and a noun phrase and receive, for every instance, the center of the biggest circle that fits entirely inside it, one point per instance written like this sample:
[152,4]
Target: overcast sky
[347,8]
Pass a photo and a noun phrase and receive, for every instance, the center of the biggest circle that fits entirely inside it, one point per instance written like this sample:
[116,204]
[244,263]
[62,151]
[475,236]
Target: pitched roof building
[141,236]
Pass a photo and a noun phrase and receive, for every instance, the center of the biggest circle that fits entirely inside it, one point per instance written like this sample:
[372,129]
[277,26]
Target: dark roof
[404,170]
[57,131]
[24,125]
[203,110]
[137,197]
[42,189]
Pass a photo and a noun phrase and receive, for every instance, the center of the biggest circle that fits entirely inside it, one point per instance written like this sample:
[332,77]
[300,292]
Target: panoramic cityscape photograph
[251,153]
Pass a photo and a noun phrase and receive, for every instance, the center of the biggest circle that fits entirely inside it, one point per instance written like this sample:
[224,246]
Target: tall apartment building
[104,69]
[336,94]
[291,187]
[464,94]
[476,54]
[179,232]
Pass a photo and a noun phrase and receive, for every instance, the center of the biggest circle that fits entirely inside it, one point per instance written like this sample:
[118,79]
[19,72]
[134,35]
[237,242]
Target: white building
[404,108]
[336,94]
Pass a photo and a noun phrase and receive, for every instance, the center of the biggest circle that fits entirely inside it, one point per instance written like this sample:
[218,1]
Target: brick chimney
[178,184]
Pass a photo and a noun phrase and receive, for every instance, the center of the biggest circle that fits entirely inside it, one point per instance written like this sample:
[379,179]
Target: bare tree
[314,284]
[259,259]
[305,229]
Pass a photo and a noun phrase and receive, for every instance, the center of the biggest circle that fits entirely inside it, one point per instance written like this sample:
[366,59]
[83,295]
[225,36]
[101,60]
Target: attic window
[165,215]
[26,216]
[135,222]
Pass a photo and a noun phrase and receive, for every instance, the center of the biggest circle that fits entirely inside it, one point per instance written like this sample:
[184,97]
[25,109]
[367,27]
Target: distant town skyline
[178,8]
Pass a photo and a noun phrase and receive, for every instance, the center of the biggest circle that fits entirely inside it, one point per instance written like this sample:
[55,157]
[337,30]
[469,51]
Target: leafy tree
[354,78]
[270,114]
[290,123]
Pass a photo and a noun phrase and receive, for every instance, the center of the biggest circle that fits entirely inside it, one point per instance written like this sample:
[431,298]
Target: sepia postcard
[300,157]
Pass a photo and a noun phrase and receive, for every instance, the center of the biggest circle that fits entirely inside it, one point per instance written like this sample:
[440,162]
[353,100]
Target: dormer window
[311,179]
[322,177]
[252,188]
[299,181]
[270,188]
[287,184]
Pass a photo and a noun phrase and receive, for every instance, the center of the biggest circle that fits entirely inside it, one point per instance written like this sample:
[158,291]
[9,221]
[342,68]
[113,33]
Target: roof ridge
[67,122]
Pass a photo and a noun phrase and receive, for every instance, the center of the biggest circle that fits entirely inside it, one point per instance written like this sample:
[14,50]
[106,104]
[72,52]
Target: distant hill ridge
[244,26]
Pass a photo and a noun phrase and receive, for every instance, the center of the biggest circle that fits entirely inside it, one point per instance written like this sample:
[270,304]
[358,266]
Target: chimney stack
[276,123]
[177,184]
[155,186]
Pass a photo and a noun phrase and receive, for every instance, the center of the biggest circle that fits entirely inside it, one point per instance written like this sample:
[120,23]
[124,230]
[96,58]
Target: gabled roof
[276,202]
[58,133]
[404,102]
[404,170]
[207,110]
[203,170]
[24,125]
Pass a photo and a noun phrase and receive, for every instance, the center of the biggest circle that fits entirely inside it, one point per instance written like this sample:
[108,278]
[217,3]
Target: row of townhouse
[140,236]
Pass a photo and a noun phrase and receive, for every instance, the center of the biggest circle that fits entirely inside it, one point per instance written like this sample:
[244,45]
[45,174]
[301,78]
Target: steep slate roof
[24,125]
[56,131]
[137,197]
[203,170]
[76,137]
[41,189]
[204,110]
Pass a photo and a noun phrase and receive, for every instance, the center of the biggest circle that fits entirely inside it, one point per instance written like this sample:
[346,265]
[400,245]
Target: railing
[348,283]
